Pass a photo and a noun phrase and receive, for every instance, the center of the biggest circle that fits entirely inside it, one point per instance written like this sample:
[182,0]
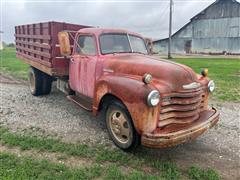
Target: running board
[81,101]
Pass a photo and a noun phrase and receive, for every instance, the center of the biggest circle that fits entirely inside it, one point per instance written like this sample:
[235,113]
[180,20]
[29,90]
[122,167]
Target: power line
[103,1]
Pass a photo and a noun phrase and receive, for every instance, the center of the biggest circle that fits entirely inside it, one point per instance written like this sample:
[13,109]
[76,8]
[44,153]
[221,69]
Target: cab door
[83,65]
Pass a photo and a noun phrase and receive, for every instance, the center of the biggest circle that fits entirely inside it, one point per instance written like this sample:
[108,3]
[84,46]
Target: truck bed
[37,45]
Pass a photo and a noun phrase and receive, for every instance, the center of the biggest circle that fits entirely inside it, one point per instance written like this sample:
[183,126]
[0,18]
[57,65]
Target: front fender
[133,93]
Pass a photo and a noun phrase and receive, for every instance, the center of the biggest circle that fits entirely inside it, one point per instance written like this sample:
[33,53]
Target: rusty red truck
[147,100]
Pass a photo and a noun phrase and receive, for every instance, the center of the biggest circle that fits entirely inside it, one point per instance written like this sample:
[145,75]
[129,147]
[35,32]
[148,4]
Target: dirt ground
[55,116]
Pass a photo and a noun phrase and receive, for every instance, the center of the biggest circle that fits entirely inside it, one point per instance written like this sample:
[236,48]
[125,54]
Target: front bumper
[206,121]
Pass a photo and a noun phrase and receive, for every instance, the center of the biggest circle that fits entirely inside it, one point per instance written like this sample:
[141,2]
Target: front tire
[120,127]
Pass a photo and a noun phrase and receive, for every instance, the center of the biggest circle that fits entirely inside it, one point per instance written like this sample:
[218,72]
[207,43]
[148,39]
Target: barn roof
[235,13]
[203,12]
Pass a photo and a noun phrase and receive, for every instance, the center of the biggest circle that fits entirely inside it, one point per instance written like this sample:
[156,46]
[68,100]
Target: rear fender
[133,93]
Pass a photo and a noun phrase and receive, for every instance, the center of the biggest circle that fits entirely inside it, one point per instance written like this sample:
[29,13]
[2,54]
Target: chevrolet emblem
[193,85]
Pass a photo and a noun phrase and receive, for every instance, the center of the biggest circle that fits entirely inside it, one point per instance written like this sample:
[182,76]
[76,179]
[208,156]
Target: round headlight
[147,78]
[211,86]
[153,98]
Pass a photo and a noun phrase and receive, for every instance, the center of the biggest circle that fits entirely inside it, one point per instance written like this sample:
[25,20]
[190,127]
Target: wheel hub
[119,126]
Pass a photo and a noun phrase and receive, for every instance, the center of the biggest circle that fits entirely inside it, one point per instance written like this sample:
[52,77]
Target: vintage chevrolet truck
[147,100]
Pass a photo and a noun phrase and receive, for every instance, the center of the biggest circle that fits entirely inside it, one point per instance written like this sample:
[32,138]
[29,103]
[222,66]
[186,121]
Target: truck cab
[145,100]
[93,50]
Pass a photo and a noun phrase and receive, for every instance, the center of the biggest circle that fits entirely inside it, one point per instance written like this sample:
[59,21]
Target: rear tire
[35,81]
[46,84]
[120,127]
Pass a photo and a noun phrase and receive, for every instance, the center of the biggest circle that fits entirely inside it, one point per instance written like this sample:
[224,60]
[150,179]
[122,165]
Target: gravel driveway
[54,115]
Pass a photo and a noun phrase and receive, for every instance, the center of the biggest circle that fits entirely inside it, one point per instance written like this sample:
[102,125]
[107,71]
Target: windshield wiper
[124,52]
[121,52]
[139,52]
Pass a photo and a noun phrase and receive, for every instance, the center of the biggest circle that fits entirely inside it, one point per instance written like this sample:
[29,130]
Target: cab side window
[86,45]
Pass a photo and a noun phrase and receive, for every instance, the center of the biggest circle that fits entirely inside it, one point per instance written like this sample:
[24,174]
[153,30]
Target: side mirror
[64,42]
[154,51]
[150,46]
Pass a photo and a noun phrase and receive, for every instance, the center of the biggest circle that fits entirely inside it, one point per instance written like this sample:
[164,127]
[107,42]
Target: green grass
[170,170]
[225,72]
[114,159]
[10,64]
[196,173]
[13,167]
[16,167]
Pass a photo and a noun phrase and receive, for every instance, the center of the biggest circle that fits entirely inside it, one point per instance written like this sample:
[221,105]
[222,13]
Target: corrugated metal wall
[216,35]
[216,45]
[216,28]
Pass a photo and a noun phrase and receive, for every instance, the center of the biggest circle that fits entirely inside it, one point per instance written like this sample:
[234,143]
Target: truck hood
[167,75]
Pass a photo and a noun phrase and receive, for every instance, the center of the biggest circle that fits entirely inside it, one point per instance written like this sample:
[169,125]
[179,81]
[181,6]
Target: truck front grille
[181,108]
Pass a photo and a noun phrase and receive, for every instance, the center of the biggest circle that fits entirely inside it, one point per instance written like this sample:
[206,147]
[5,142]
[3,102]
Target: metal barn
[215,30]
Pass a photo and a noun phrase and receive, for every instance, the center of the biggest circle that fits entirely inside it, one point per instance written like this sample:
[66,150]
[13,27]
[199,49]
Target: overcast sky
[147,17]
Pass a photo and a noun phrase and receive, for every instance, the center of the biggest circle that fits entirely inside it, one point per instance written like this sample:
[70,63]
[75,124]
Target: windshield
[121,43]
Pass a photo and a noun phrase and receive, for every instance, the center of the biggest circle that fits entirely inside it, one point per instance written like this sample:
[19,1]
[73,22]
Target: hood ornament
[193,85]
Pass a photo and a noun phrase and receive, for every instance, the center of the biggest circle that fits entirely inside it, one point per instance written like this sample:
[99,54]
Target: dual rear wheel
[40,83]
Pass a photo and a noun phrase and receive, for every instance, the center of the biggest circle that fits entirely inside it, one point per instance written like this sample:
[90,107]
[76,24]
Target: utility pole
[1,43]
[170,30]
